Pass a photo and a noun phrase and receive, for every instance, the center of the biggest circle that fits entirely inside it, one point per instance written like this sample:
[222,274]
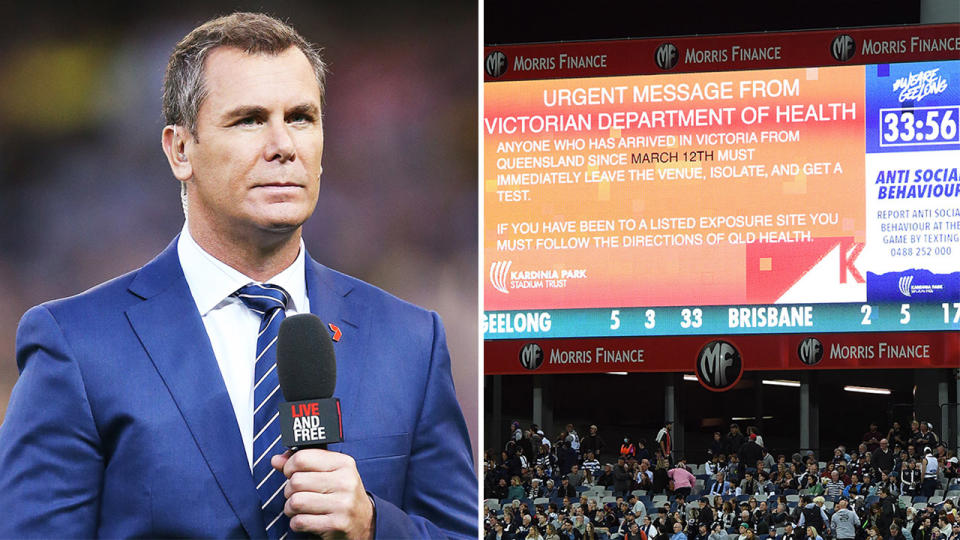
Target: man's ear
[174,141]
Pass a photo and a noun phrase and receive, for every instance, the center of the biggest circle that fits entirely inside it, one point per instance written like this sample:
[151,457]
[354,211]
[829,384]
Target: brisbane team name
[771,317]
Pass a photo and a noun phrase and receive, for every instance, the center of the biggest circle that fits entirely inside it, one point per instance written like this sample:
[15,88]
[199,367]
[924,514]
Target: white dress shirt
[231,326]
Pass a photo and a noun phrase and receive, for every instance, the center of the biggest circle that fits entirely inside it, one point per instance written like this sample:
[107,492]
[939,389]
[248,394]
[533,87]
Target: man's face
[676,527]
[255,162]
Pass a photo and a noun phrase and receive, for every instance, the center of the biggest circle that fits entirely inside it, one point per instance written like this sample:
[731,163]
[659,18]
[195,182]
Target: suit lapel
[332,300]
[172,332]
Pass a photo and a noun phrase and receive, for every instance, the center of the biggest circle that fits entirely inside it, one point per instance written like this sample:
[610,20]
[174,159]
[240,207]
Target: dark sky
[516,21]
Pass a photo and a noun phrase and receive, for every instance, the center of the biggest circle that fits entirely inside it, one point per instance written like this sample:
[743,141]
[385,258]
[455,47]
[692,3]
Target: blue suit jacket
[120,424]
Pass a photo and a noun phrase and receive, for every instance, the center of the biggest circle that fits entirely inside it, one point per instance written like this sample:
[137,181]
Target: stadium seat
[789,492]
[919,505]
[935,500]
[906,499]
[492,503]
[606,500]
[575,505]
[541,500]
[581,489]
[919,499]
[639,492]
[794,498]
[938,493]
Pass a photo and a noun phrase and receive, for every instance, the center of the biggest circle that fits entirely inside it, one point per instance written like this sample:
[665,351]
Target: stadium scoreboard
[785,197]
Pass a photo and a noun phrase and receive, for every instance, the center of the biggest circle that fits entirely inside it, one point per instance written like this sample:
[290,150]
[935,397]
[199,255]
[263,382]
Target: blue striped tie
[269,301]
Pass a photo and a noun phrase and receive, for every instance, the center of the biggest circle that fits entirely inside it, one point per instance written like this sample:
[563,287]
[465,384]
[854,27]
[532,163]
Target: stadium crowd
[896,485]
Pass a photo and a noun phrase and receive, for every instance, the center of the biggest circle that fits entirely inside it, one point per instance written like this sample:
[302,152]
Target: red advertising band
[761,352]
[722,52]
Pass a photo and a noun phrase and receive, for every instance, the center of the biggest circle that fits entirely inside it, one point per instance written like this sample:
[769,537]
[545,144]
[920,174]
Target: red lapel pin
[336,331]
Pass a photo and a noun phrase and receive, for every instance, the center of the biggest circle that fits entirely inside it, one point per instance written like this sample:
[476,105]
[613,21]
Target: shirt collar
[212,281]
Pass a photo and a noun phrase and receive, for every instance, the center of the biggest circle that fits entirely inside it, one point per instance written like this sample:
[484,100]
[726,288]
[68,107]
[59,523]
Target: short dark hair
[254,33]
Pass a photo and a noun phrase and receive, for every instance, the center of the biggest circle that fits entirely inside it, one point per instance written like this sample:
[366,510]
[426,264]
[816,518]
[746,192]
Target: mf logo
[531,356]
[810,351]
[666,56]
[719,366]
[496,64]
[843,47]
[904,285]
[498,275]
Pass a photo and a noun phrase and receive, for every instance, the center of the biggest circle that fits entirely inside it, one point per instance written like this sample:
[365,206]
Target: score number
[650,317]
[919,125]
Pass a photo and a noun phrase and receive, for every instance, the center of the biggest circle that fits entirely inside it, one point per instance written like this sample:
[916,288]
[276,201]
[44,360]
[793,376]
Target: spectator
[705,517]
[644,478]
[812,534]
[927,437]
[883,456]
[750,453]
[536,489]
[716,446]
[681,479]
[590,463]
[665,441]
[728,516]
[749,486]
[812,514]
[627,449]
[592,443]
[896,436]
[713,466]
[895,533]
[787,532]
[606,477]
[575,476]
[678,532]
[732,471]
[621,478]
[565,489]
[768,460]
[872,438]
[734,439]
[643,453]
[931,467]
[752,430]
[648,528]
[573,438]
[844,522]
[834,488]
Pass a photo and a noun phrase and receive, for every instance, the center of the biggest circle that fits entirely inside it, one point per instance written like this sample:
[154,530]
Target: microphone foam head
[306,364]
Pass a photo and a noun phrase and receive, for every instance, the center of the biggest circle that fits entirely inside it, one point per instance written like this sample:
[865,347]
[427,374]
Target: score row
[775,319]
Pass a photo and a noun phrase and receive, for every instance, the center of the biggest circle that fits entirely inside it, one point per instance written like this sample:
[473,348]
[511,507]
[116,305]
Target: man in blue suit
[134,414]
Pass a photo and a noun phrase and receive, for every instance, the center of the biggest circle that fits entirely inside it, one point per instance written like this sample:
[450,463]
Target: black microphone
[307,369]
